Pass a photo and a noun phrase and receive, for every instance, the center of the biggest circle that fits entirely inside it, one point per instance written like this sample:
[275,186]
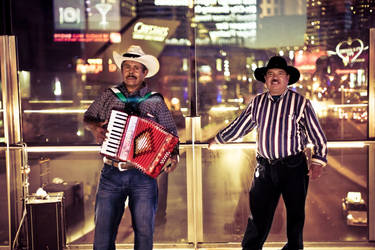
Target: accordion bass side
[141,142]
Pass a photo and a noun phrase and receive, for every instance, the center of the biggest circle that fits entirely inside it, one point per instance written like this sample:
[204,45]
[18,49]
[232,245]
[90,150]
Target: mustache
[131,76]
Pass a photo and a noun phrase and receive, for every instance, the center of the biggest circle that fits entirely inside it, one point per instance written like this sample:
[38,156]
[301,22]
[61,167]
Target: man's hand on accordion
[99,131]
[173,164]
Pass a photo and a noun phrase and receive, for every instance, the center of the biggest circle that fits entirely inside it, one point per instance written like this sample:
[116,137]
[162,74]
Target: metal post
[192,79]
[193,154]
[371,133]
[194,182]
[12,131]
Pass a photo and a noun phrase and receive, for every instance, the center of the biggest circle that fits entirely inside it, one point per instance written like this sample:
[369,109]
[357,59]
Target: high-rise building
[281,7]
[328,21]
[280,23]
[363,12]
[128,8]
[331,21]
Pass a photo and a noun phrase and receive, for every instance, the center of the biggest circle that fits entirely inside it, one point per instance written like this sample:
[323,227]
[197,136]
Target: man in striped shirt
[285,122]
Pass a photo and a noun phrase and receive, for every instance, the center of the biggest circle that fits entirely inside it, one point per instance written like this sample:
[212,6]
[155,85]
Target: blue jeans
[114,188]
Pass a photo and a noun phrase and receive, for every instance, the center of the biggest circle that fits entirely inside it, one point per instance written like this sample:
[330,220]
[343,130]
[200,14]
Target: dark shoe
[285,247]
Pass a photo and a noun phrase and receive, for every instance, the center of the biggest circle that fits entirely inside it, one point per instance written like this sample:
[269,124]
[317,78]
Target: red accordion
[143,143]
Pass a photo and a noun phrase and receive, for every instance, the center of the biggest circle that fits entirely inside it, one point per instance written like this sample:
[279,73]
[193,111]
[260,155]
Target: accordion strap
[122,97]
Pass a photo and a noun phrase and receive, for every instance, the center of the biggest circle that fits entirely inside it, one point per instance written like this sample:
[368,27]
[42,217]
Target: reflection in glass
[225,50]
[76,174]
[228,175]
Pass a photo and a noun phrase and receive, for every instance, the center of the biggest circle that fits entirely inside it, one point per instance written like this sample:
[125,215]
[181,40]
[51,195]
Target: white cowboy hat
[135,53]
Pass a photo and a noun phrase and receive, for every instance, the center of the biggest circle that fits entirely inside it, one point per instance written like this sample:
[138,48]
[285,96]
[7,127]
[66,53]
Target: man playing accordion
[119,183]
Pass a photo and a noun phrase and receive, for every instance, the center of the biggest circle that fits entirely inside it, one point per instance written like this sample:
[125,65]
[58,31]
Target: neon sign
[87,15]
[349,51]
[113,37]
[149,32]
[69,15]
[172,2]
[232,18]
[93,66]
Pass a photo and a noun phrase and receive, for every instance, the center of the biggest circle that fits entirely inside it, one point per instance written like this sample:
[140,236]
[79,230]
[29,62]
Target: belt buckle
[122,163]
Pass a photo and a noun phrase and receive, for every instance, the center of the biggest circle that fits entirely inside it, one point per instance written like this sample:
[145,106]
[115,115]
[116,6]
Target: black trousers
[287,177]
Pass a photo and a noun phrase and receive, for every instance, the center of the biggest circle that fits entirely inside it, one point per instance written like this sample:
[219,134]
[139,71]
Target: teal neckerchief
[137,100]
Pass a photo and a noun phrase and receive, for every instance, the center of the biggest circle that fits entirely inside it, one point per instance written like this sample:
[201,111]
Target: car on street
[354,209]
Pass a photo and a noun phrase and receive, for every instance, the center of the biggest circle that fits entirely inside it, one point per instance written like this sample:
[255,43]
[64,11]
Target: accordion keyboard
[116,126]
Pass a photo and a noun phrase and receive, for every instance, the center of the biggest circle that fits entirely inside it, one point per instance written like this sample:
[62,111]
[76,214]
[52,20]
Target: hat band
[131,55]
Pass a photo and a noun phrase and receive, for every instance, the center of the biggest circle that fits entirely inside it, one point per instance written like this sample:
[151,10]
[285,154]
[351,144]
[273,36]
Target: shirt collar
[140,92]
[281,96]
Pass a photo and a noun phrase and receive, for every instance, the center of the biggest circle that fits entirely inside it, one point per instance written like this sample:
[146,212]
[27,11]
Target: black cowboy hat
[277,62]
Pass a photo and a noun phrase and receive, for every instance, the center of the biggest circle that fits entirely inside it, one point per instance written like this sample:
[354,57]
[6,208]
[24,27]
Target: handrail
[244,145]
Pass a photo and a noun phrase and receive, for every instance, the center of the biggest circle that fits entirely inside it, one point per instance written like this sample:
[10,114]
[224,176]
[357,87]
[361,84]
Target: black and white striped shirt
[284,127]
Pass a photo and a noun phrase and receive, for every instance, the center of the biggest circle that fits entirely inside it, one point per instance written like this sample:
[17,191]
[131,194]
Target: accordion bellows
[143,143]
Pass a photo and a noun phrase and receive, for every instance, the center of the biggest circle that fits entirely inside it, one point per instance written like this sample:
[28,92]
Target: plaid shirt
[153,108]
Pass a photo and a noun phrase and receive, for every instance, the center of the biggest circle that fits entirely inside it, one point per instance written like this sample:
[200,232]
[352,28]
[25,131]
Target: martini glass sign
[103,9]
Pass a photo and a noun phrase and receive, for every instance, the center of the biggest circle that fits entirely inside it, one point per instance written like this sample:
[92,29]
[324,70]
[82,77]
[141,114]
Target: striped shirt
[284,127]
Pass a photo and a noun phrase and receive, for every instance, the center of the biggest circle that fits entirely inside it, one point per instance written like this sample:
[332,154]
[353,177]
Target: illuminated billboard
[250,23]
[69,14]
[104,15]
[150,32]
[172,2]
[93,15]
[227,21]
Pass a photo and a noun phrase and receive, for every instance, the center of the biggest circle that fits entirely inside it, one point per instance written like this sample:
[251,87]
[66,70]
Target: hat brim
[293,73]
[149,61]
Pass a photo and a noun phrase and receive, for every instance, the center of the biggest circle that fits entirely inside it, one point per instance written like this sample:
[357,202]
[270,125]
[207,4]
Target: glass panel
[227,174]
[66,62]
[334,209]
[77,175]
[63,72]
[4,223]
[333,63]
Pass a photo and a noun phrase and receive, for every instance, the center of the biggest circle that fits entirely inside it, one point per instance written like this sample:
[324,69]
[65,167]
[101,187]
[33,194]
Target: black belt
[286,160]
[121,165]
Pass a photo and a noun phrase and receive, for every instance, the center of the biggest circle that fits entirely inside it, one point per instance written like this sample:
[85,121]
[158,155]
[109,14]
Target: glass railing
[227,173]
